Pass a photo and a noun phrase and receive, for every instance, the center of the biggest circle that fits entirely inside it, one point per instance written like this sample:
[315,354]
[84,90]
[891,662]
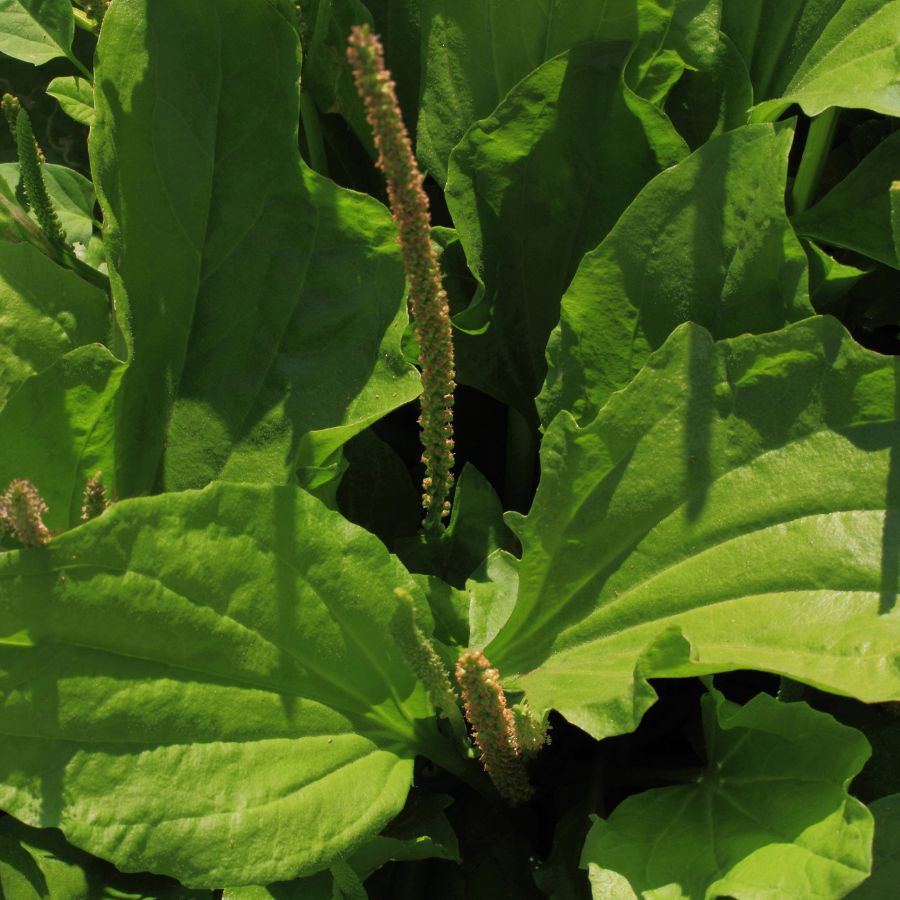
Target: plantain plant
[449,450]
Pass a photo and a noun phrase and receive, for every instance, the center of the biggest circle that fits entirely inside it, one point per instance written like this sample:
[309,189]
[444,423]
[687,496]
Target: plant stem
[313,133]
[83,22]
[812,163]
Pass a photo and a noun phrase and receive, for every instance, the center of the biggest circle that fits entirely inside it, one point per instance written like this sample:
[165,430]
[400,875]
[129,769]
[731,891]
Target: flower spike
[30,163]
[94,500]
[423,659]
[493,726]
[21,511]
[427,298]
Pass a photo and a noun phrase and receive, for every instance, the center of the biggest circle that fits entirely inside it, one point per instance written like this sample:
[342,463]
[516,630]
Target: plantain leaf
[36,30]
[524,236]
[818,53]
[239,341]
[45,311]
[203,685]
[59,430]
[857,212]
[768,816]
[704,521]
[706,241]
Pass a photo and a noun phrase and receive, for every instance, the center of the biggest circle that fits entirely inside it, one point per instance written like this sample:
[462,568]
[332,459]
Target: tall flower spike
[423,659]
[21,511]
[493,725]
[33,181]
[427,298]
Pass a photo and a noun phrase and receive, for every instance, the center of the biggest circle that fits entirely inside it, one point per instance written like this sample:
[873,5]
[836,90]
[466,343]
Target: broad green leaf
[707,241]
[419,832]
[203,685]
[399,24]
[857,212]
[36,30]
[39,864]
[72,196]
[75,96]
[45,311]
[769,816]
[818,53]
[705,521]
[475,51]
[271,272]
[713,98]
[524,234]
[885,851]
[58,430]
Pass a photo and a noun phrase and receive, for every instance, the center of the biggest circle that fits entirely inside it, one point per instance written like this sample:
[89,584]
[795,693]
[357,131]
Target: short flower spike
[427,298]
[21,511]
[493,725]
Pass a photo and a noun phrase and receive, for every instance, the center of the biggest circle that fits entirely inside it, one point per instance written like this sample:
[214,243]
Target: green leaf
[707,241]
[271,272]
[885,851]
[705,521]
[58,430]
[36,30]
[72,196]
[829,280]
[525,245]
[75,96]
[770,815]
[39,864]
[203,684]
[45,311]
[420,832]
[475,51]
[818,53]
[856,214]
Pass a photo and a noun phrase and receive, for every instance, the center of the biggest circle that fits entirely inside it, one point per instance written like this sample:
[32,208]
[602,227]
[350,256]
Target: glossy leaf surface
[818,53]
[475,51]
[524,236]
[191,681]
[769,815]
[36,30]
[706,241]
[240,367]
[703,522]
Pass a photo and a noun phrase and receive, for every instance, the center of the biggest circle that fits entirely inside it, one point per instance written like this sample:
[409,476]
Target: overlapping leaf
[475,51]
[59,430]
[39,864]
[818,53]
[524,234]
[768,816]
[36,30]
[45,311]
[857,212]
[202,684]
[707,241]
[270,272]
[885,851]
[705,520]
